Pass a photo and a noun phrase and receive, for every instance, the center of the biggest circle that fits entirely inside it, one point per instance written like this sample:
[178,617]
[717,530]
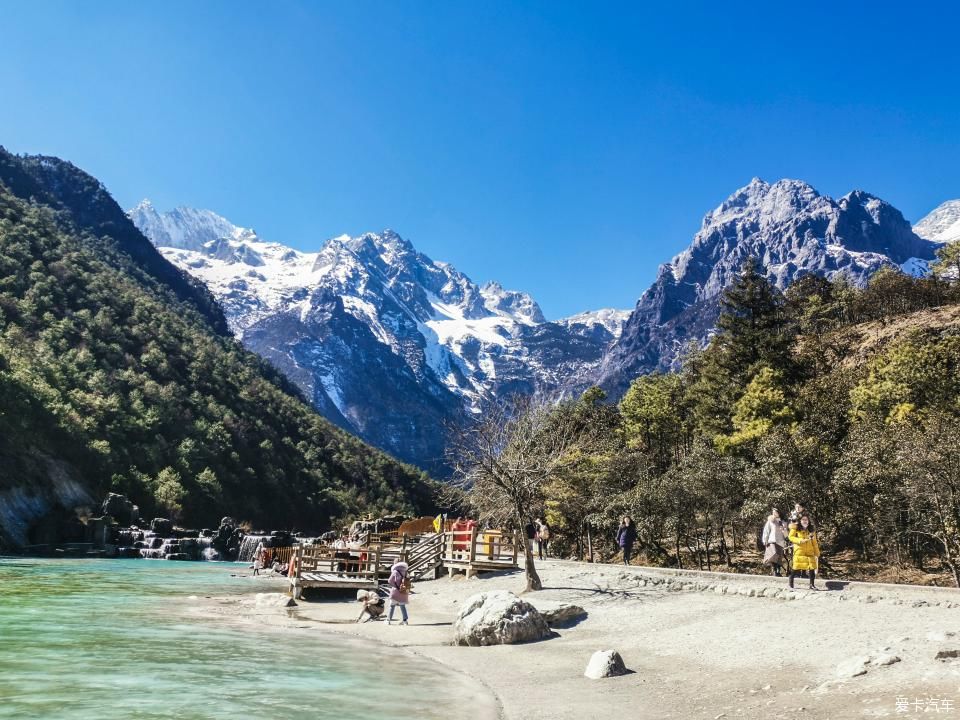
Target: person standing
[399,583]
[543,537]
[774,542]
[806,550]
[258,559]
[626,537]
[531,532]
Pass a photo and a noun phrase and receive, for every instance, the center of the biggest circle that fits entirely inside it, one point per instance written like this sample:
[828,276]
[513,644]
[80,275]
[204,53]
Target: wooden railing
[488,547]
[363,563]
[424,556]
[281,555]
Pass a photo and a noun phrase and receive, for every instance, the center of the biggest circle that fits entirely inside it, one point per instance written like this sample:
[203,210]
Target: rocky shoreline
[119,532]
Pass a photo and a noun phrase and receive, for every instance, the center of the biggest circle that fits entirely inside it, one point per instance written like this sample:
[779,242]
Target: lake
[105,639]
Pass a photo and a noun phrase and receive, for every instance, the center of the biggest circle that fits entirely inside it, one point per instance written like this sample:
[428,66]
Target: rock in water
[605,663]
[498,618]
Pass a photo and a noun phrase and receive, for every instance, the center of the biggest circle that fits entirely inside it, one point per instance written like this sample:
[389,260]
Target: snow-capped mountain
[941,225]
[791,230]
[386,342]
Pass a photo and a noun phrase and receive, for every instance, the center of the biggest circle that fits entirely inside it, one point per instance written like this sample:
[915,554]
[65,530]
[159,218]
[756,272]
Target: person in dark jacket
[531,531]
[626,537]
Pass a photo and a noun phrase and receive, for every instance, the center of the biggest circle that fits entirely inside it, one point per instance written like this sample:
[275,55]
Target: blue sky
[565,149]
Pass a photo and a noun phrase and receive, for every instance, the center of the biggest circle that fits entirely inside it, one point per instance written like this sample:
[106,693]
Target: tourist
[806,550]
[774,542]
[372,605]
[543,538]
[399,583]
[626,537]
[799,510]
[531,532]
[258,559]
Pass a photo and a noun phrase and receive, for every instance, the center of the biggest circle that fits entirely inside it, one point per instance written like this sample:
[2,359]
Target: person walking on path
[806,550]
[626,537]
[399,583]
[774,542]
[543,537]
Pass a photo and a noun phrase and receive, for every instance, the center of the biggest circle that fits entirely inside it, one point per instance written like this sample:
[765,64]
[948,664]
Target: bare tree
[504,457]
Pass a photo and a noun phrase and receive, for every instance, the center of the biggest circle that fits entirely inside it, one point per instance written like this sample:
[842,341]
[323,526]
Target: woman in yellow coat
[806,549]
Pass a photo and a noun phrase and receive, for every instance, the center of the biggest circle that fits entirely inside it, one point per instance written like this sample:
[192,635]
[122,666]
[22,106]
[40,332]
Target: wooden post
[403,549]
[473,544]
[516,542]
[589,543]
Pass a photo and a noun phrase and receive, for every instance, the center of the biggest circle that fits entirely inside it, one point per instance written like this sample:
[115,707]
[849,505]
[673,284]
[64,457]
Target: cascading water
[249,546]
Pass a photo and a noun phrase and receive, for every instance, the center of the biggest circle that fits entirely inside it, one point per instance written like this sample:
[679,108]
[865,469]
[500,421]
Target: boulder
[161,526]
[947,654]
[120,509]
[498,618]
[561,614]
[604,664]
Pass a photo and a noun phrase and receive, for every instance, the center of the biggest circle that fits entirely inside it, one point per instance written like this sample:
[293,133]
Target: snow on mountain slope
[381,338]
[611,320]
[942,224]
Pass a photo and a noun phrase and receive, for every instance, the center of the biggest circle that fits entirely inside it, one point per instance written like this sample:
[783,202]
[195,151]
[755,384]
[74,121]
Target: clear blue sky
[565,149]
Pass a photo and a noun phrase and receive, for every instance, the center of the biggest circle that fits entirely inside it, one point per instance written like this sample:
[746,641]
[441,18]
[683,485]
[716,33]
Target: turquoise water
[109,639]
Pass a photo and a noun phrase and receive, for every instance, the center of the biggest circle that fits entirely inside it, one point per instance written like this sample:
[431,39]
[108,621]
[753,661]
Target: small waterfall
[249,546]
[210,554]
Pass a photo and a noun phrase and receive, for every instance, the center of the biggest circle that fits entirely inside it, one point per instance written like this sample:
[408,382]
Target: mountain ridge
[385,341]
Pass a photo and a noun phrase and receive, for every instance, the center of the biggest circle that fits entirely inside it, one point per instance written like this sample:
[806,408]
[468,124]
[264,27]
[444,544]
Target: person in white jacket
[774,542]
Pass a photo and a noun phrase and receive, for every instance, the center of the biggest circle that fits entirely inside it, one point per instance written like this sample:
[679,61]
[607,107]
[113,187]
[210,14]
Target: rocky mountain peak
[791,230]
[511,303]
[184,227]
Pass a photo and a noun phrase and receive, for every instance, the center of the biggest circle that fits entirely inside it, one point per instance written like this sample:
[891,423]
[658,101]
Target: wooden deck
[322,566]
[367,566]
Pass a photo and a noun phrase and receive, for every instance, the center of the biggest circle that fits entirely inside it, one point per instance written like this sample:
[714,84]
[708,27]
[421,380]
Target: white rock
[278,600]
[558,614]
[853,668]
[605,663]
[498,618]
[885,659]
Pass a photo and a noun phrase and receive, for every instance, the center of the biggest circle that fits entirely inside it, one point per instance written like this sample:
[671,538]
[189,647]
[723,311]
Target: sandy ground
[700,645]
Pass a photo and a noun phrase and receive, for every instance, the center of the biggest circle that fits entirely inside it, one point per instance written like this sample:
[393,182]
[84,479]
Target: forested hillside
[114,375]
[845,399]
